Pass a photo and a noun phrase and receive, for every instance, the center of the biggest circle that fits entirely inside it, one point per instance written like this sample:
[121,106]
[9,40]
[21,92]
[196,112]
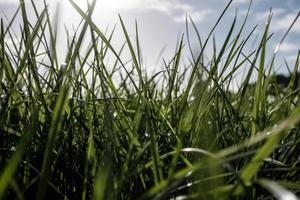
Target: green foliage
[94,129]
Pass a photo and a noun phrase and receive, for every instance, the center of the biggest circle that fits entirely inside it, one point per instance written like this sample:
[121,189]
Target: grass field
[92,129]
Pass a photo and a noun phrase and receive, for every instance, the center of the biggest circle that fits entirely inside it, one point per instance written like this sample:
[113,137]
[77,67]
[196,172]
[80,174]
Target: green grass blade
[55,127]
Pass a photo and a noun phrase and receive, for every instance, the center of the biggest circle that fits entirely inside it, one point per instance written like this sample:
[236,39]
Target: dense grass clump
[92,129]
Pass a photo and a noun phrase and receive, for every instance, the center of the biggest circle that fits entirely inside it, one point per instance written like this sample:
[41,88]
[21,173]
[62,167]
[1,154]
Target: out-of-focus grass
[71,131]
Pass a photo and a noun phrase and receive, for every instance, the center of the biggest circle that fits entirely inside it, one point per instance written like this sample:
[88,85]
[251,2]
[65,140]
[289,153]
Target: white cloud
[241,1]
[291,58]
[107,5]
[183,7]
[197,16]
[281,20]
[177,10]
[5,2]
[262,16]
[246,1]
[284,22]
[164,6]
[287,47]
[9,1]
[36,1]
[113,4]
[278,11]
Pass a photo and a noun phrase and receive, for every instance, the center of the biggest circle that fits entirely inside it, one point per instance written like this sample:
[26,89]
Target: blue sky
[162,21]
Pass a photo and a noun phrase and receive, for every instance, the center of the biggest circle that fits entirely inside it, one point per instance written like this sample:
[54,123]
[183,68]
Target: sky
[161,22]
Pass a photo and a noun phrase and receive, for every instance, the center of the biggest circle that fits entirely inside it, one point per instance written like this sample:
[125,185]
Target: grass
[92,129]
